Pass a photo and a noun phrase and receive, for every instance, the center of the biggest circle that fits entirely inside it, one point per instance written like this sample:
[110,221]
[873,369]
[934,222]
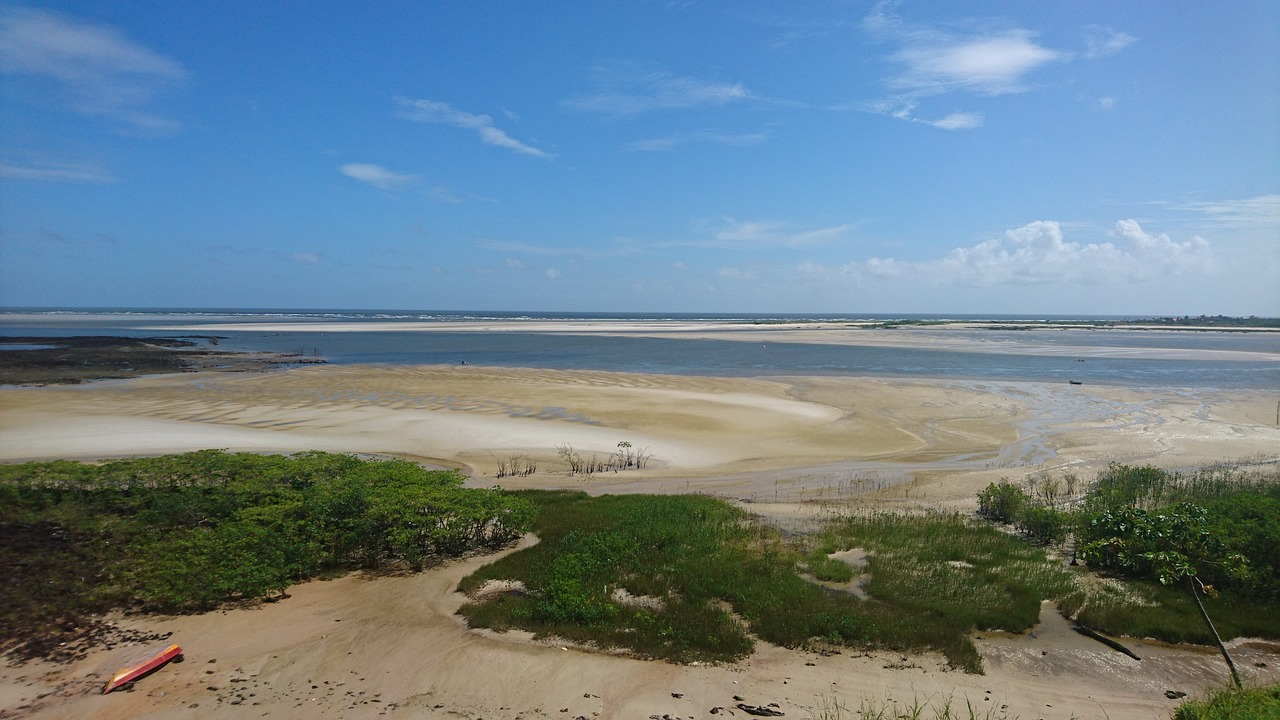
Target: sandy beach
[790,447]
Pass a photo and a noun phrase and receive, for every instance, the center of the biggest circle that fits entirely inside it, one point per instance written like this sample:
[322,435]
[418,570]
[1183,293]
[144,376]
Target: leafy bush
[1002,502]
[1043,525]
[187,532]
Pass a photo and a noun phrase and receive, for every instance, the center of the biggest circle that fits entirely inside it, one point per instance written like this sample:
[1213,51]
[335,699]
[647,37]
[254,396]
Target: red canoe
[142,666]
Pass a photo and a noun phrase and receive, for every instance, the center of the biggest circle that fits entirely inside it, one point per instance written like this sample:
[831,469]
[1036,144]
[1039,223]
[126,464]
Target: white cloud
[56,172]
[1039,254]
[959,121]
[1106,103]
[981,62]
[432,111]
[991,65]
[1103,41]
[1261,212]
[513,264]
[734,233]
[95,69]
[376,175]
[553,274]
[903,107]
[306,258]
[626,89]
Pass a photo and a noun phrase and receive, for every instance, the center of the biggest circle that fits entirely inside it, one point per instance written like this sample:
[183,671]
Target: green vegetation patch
[682,578]
[189,532]
[946,576]
[692,578]
[1262,703]
[1156,540]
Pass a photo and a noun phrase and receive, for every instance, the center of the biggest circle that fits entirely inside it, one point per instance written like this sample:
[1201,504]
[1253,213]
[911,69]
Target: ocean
[1106,362]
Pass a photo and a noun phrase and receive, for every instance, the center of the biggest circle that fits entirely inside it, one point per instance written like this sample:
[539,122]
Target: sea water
[512,348]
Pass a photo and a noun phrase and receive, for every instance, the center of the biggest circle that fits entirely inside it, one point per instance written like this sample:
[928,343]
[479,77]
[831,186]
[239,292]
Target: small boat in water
[1075,382]
[142,666]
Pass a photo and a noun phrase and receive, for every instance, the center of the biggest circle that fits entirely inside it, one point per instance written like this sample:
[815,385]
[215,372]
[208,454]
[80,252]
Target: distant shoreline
[1173,322]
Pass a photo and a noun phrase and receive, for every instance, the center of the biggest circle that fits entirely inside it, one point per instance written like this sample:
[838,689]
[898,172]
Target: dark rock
[759,710]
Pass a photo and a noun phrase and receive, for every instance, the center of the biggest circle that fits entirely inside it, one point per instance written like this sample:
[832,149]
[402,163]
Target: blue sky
[790,157]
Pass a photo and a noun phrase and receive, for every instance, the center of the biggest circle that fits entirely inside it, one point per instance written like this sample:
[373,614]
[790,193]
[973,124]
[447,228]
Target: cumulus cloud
[95,69]
[1039,254]
[306,258]
[432,111]
[627,89]
[376,175]
[553,274]
[56,172]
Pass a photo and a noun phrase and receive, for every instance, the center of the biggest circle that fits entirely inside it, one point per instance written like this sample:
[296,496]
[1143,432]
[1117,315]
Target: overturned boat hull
[140,667]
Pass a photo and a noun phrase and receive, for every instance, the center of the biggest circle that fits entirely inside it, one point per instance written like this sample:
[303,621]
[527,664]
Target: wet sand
[791,448]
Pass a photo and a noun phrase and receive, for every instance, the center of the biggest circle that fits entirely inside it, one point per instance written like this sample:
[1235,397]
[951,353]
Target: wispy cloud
[306,258]
[1103,41]
[376,175]
[768,232]
[432,111]
[735,234]
[1039,254]
[709,138]
[1252,213]
[95,69]
[959,121]
[627,89]
[56,172]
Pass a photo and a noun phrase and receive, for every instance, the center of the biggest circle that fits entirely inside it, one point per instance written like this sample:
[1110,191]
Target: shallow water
[1004,355]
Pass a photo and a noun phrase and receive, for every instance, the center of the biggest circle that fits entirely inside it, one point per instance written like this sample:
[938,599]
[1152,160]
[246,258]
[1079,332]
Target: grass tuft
[1261,703]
